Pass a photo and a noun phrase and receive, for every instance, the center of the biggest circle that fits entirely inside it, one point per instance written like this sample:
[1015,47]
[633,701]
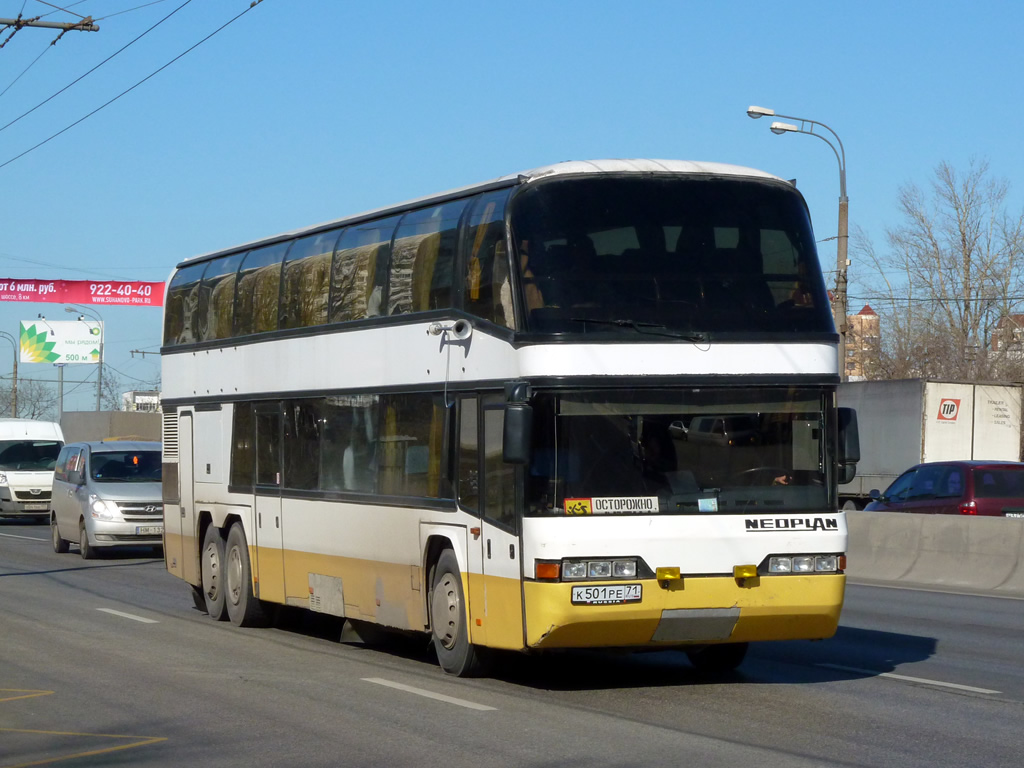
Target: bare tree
[951,280]
[36,399]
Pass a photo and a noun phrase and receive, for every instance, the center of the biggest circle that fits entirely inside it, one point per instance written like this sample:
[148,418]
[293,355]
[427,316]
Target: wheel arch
[435,543]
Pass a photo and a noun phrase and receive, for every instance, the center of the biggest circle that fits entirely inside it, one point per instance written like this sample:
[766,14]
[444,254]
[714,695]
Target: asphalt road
[107,663]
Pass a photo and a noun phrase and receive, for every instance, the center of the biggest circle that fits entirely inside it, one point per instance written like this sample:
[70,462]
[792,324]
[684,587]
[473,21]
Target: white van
[28,454]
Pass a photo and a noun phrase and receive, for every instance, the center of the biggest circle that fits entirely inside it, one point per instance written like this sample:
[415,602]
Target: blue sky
[303,111]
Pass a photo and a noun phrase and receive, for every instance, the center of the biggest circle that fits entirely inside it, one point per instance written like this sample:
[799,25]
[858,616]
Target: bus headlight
[806,564]
[803,564]
[624,569]
[580,570]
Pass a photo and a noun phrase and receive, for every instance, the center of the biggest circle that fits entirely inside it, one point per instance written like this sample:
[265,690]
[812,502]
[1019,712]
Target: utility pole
[85,25]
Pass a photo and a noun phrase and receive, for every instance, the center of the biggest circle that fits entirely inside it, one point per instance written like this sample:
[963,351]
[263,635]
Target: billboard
[67,342]
[128,293]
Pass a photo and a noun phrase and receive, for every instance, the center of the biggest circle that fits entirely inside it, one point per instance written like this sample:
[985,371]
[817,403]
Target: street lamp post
[99,324]
[839,306]
[14,383]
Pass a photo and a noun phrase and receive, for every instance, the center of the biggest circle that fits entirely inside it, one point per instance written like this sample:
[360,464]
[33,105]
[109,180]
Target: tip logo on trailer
[949,409]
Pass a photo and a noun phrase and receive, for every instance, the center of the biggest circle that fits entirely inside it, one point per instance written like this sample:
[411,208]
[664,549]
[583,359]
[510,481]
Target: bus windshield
[698,451]
[667,255]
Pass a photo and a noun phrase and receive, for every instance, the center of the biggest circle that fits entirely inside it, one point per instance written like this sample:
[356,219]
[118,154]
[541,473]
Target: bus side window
[183,305]
[423,259]
[469,455]
[243,458]
[302,444]
[357,274]
[488,288]
[348,459]
[306,281]
[217,298]
[499,478]
[411,445]
[258,290]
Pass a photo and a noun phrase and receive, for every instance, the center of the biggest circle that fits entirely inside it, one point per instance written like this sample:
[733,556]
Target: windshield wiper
[653,329]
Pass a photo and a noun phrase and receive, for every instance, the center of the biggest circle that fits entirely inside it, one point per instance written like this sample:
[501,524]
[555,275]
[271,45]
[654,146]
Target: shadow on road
[852,653]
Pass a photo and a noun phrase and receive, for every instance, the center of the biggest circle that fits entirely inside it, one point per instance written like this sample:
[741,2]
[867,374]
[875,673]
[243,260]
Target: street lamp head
[756,112]
[781,128]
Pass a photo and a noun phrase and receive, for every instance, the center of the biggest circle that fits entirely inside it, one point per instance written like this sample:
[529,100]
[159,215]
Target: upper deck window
[651,253]
[423,259]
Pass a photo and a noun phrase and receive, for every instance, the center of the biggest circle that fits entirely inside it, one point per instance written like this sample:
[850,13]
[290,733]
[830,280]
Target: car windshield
[696,451]
[665,256]
[29,455]
[125,467]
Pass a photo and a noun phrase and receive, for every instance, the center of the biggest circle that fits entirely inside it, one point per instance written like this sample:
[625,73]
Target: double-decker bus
[588,405]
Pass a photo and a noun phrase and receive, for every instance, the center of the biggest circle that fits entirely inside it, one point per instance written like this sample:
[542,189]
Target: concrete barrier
[984,554]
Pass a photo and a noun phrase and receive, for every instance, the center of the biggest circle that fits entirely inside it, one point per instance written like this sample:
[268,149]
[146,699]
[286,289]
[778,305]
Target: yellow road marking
[26,694]
[142,741]
[145,741]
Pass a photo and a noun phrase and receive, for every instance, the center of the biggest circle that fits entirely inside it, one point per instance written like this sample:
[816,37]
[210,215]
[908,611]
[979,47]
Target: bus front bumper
[690,611]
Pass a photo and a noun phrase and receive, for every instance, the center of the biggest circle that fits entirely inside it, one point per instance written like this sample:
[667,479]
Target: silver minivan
[107,494]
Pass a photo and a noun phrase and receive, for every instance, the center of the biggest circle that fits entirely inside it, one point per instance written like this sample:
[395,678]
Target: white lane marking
[131,616]
[925,681]
[429,694]
[26,538]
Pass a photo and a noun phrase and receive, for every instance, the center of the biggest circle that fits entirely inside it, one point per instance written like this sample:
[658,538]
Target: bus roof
[566,168]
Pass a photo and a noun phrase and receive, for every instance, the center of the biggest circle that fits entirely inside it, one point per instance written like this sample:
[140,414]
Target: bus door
[182,530]
[268,563]
[487,486]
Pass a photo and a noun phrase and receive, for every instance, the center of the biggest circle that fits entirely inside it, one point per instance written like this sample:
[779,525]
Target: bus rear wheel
[212,568]
[712,660]
[448,617]
[244,609]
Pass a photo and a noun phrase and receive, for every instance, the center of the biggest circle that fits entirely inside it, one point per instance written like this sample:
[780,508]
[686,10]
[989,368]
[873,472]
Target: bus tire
[244,609]
[713,660]
[212,568]
[60,545]
[448,620]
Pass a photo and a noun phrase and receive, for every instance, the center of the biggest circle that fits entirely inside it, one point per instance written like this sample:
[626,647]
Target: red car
[992,488]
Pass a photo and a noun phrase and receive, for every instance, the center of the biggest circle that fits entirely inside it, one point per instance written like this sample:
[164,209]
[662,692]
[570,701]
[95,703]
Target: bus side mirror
[849,444]
[518,433]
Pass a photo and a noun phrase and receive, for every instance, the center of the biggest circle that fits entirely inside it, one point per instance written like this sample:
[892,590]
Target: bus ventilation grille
[171,435]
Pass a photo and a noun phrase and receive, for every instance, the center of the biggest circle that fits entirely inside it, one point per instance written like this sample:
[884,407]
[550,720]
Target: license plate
[148,530]
[1015,514]
[607,594]
[31,507]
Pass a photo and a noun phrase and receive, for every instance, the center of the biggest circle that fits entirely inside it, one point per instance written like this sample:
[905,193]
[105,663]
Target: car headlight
[102,509]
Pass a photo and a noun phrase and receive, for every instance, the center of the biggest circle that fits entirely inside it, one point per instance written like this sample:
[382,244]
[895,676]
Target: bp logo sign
[949,409]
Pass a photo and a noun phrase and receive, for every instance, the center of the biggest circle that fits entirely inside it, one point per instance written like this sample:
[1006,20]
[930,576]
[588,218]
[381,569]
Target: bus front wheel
[244,609]
[448,617]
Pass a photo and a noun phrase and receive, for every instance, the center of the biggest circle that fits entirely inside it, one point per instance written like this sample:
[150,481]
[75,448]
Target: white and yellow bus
[588,405]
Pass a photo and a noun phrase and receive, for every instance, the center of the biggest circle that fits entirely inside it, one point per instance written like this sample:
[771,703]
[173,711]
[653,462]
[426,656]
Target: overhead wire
[89,72]
[140,82]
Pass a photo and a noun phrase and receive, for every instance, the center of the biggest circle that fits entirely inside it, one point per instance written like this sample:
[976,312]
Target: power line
[129,90]
[86,74]
[137,7]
